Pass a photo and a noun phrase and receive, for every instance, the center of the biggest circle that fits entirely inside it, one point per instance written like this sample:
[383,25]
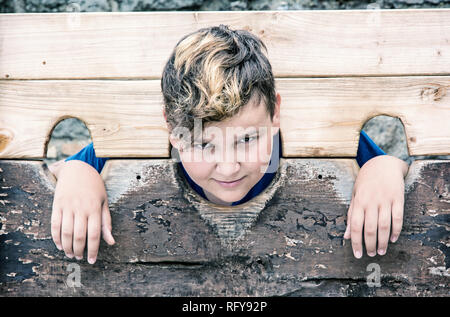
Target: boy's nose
[228,169]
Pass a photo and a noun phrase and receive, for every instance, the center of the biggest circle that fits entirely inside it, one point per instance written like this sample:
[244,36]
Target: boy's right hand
[80,208]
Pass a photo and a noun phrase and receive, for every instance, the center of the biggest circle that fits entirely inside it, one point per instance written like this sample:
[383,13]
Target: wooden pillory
[334,70]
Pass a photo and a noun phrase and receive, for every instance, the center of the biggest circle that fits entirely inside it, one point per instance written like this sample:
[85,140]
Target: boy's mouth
[229,184]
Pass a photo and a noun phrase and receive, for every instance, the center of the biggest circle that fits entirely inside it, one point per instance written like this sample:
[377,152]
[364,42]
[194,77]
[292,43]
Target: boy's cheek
[264,158]
[193,167]
[263,151]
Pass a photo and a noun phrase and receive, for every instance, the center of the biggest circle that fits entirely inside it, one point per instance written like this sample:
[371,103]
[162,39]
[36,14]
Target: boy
[222,79]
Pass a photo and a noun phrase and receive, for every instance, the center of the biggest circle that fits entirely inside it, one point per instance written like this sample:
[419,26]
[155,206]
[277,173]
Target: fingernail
[79,257]
[382,251]
[394,238]
[69,255]
[59,247]
[358,254]
[371,253]
[91,260]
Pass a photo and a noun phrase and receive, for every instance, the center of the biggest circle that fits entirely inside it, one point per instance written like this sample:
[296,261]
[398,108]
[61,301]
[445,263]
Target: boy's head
[221,109]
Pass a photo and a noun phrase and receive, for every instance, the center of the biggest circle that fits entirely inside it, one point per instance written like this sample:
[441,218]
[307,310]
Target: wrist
[391,161]
[78,169]
[404,167]
[56,167]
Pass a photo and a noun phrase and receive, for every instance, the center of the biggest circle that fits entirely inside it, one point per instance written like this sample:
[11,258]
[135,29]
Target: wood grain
[324,116]
[165,248]
[124,118]
[320,117]
[306,43]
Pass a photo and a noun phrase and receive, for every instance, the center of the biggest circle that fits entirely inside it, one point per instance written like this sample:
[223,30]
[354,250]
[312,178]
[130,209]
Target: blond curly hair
[212,73]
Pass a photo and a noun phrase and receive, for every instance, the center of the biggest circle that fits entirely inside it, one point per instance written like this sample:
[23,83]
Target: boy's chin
[229,198]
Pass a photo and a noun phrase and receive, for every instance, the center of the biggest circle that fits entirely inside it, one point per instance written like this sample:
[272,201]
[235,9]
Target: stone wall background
[71,135]
[19,6]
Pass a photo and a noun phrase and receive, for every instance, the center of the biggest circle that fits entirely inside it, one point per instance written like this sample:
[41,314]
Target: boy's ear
[175,142]
[276,116]
[172,140]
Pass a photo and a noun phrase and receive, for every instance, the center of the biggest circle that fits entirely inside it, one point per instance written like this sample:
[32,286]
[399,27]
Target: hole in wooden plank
[230,222]
[67,138]
[191,172]
[389,134]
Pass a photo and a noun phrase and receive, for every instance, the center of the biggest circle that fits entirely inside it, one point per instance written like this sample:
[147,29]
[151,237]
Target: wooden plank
[324,116]
[320,117]
[300,43]
[165,248]
[124,118]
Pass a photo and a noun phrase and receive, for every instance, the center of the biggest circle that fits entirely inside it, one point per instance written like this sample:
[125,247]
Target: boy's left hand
[377,202]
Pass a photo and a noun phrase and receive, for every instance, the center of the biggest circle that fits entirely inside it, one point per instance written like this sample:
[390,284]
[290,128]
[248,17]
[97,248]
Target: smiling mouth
[230,183]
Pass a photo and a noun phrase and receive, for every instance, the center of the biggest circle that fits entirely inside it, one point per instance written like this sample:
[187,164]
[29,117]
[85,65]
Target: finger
[347,234]
[94,227]
[56,221]
[79,236]
[357,223]
[106,224]
[370,229]
[397,219]
[384,228]
[67,233]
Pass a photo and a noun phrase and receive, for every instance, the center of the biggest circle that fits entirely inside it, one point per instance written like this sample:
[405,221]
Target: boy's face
[233,154]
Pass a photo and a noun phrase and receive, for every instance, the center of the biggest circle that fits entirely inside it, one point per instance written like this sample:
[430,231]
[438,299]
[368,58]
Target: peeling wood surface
[164,247]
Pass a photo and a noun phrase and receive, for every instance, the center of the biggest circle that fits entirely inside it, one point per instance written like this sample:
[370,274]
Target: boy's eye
[203,146]
[248,139]
[206,146]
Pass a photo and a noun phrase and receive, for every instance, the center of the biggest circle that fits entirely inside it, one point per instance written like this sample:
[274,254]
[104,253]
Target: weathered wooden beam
[300,43]
[320,117]
[118,114]
[165,246]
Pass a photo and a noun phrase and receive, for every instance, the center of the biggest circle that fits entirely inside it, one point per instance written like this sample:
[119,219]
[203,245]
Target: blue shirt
[367,149]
